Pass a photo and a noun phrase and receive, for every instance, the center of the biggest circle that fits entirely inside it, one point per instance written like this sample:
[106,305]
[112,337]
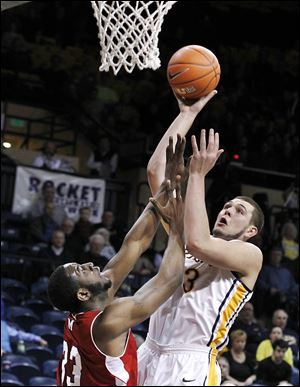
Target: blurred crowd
[257,106]
[256,110]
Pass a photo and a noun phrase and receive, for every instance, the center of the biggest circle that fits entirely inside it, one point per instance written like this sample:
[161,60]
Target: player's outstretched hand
[195,107]
[172,212]
[205,157]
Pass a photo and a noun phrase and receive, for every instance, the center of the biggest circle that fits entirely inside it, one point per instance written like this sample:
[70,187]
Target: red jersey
[83,364]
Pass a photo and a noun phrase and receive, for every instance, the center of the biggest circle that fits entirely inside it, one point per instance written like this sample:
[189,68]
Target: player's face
[87,274]
[233,220]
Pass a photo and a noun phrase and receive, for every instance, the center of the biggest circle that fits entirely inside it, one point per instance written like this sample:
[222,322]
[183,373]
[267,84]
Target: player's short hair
[280,343]
[62,291]
[258,218]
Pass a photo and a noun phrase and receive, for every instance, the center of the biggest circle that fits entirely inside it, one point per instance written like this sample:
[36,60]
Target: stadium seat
[12,358]
[56,318]
[37,306]
[4,246]
[23,249]
[42,381]
[40,287]
[7,298]
[23,316]
[15,220]
[25,370]
[40,354]
[49,333]
[14,288]
[41,329]
[49,368]
[9,379]
[11,233]
[59,350]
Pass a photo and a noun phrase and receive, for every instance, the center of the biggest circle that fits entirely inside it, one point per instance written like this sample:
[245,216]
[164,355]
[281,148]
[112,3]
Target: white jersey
[191,327]
[202,311]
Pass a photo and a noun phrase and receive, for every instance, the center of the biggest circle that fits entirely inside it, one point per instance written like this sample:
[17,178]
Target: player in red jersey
[99,348]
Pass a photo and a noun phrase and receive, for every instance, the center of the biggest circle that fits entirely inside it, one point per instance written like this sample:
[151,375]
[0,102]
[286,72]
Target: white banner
[72,192]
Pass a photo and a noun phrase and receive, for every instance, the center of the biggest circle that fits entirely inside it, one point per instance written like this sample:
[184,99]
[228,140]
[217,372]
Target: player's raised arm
[236,223]
[140,236]
[126,312]
[181,125]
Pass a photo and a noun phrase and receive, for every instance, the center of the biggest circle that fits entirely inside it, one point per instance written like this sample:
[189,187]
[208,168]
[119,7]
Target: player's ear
[251,231]
[83,294]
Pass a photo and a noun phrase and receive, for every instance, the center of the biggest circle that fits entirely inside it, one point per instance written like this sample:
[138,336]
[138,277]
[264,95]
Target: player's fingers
[178,187]
[211,140]
[217,141]
[181,147]
[158,207]
[203,140]
[209,96]
[220,151]
[194,145]
[178,143]
[169,149]
[169,189]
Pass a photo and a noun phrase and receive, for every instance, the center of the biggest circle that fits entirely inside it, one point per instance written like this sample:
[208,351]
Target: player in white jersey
[189,329]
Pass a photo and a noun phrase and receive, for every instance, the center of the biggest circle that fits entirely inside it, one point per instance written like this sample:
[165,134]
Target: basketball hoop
[128,33]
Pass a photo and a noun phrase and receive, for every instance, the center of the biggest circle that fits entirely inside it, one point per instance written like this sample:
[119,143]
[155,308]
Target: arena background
[56,70]
[52,89]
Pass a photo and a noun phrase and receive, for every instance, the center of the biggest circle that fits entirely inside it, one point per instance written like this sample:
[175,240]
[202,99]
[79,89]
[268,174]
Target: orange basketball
[193,71]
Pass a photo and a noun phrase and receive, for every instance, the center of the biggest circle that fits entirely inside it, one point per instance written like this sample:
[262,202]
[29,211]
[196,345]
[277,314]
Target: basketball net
[128,33]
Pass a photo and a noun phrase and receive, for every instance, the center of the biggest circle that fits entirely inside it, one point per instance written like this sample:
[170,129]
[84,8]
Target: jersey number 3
[73,357]
[190,277]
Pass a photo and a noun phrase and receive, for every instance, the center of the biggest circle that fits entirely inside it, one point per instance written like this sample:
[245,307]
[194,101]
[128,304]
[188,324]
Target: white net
[128,33]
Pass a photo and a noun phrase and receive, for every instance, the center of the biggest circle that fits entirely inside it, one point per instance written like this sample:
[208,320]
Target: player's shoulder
[246,245]
[249,250]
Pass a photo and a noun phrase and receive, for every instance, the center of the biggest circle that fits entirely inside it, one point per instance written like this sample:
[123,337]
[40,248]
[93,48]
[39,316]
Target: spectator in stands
[280,319]
[274,370]
[276,284]
[290,248]
[94,251]
[291,196]
[47,195]
[83,228]
[117,233]
[42,227]
[108,250]
[255,332]
[11,334]
[265,348]
[226,379]
[242,364]
[73,244]
[103,161]
[48,159]
[55,253]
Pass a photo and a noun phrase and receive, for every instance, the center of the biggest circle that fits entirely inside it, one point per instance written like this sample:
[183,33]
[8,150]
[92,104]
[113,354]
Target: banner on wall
[72,192]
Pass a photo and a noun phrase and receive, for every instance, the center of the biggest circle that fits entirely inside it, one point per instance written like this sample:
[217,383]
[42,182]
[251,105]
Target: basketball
[193,71]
